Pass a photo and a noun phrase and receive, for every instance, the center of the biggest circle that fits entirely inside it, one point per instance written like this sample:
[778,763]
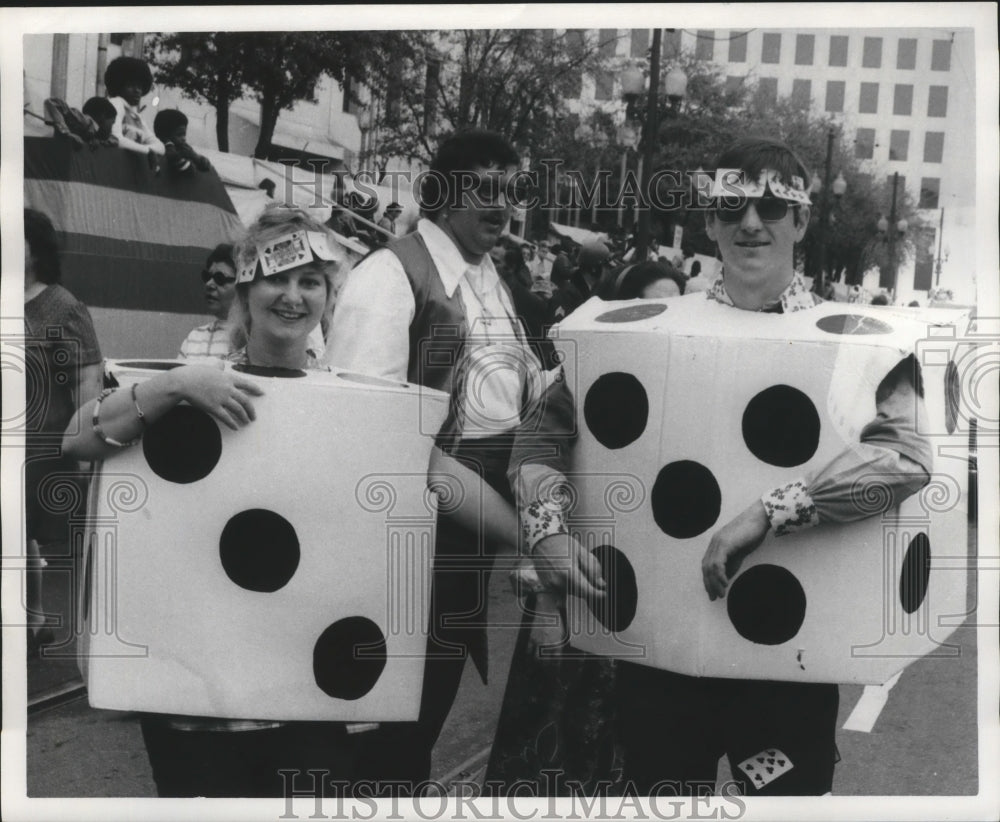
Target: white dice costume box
[281,571]
[687,411]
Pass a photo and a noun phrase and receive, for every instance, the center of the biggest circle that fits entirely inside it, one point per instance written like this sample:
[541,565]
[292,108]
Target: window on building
[672,43]
[574,80]
[902,99]
[604,81]
[805,44]
[770,51]
[864,144]
[930,190]
[704,45]
[933,146]
[871,57]
[937,101]
[906,53]
[640,43]
[767,89]
[737,47]
[899,144]
[900,187]
[835,95]
[733,84]
[941,55]
[868,99]
[801,93]
[838,50]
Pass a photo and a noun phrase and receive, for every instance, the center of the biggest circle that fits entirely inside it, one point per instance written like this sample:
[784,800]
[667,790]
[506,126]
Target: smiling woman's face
[288,305]
[477,226]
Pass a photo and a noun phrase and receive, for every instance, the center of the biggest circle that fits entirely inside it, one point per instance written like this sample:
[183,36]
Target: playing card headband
[288,251]
[733,182]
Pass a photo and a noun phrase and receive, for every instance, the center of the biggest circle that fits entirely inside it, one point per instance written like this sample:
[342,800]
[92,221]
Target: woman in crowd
[648,280]
[274,312]
[63,372]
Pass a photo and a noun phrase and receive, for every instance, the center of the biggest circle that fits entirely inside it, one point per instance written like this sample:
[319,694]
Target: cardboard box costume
[281,571]
[718,407]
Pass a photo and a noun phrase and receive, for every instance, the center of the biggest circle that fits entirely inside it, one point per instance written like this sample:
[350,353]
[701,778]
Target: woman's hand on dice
[219,393]
[730,545]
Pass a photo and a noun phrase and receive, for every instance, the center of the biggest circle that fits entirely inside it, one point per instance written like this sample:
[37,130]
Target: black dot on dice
[616,409]
[150,365]
[952,394]
[269,371]
[781,426]
[616,610]
[259,550]
[349,657]
[632,313]
[852,324]
[766,604]
[183,446]
[916,573]
[686,499]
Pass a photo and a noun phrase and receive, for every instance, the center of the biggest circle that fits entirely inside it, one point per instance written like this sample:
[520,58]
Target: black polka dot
[259,550]
[631,314]
[916,573]
[183,446]
[269,371]
[616,409]
[617,609]
[952,395]
[852,324]
[349,657]
[766,604]
[686,499]
[781,426]
[149,365]
[367,379]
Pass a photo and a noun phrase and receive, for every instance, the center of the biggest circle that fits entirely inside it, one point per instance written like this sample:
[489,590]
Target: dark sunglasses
[489,190]
[769,209]
[217,277]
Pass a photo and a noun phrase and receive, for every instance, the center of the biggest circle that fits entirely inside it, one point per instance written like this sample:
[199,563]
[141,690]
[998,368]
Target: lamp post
[937,277]
[838,188]
[632,86]
[898,229]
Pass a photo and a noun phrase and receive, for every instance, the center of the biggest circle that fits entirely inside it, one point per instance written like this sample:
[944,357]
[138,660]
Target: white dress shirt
[371,322]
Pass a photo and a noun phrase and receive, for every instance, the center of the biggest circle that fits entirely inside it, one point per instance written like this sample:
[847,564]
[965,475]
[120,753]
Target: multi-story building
[905,98]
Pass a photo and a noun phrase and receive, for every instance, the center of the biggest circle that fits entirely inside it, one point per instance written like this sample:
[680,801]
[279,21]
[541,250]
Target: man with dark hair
[219,279]
[674,727]
[431,309]
[170,126]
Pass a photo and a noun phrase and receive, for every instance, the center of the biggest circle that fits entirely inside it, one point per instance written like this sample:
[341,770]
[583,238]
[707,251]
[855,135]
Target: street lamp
[838,188]
[888,279]
[632,87]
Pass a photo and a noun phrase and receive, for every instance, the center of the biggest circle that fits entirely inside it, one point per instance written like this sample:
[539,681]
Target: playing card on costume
[688,411]
[765,767]
[281,571]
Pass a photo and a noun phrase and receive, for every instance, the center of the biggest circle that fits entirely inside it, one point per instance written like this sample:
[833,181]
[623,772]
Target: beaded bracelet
[96,422]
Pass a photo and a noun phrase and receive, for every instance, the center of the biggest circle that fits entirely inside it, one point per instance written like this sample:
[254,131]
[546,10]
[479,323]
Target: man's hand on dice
[733,542]
[563,564]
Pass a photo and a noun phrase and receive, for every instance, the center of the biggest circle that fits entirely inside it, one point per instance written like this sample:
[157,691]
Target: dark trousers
[398,754]
[246,763]
[674,728]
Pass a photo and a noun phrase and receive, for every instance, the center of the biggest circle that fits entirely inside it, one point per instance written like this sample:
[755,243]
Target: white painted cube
[687,412]
[281,571]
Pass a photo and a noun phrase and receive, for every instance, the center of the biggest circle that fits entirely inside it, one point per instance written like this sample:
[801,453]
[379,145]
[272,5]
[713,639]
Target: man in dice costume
[779,736]
[430,309]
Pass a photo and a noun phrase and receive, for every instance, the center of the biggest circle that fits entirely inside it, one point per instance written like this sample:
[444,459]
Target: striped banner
[130,238]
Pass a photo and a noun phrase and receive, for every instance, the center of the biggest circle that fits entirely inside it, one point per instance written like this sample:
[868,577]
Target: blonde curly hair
[277,220]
